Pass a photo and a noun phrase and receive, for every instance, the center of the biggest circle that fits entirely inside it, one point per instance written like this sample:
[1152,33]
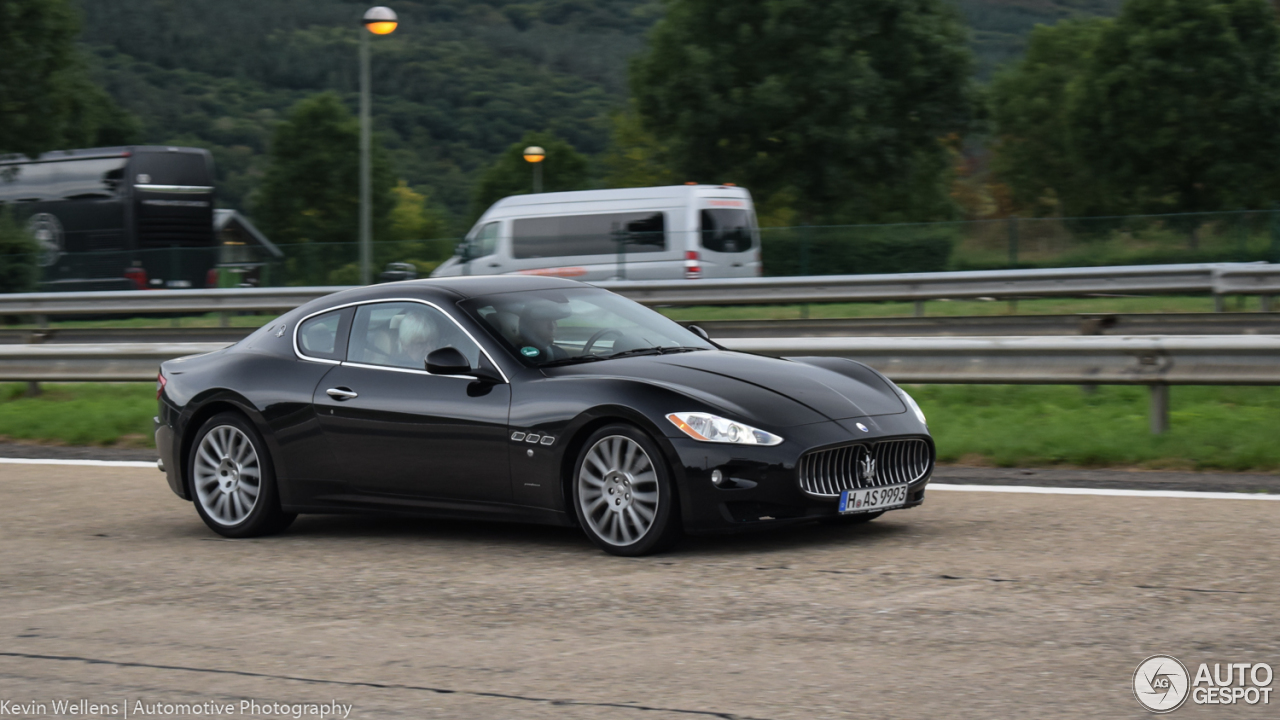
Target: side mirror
[463,251]
[699,332]
[451,361]
[448,361]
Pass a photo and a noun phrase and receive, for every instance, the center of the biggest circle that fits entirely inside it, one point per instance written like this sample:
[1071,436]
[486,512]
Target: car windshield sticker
[529,351]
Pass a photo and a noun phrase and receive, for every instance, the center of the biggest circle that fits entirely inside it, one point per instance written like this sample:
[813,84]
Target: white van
[657,233]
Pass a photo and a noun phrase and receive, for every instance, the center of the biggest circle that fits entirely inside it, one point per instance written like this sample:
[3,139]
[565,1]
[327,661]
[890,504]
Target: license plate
[873,499]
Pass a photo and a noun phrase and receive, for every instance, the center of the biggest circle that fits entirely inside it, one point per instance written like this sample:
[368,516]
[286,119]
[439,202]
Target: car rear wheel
[232,483]
[623,493]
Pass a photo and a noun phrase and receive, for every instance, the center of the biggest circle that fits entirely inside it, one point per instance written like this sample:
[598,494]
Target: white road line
[90,463]
[1029,489]
[1036,490]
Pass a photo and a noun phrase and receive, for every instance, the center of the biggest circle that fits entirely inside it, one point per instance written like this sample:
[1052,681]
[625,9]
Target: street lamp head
[534,154]
[381,20]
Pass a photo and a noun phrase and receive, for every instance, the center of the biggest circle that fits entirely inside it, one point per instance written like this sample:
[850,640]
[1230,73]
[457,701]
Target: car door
[400,431]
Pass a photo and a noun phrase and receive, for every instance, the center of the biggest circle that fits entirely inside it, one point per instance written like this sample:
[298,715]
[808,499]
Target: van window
[170,168]
[89,178]
[28,182]
[486,241]
[637,232]
[726,230]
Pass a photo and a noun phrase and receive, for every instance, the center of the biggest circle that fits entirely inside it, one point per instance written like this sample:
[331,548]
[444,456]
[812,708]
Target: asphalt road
[976,605]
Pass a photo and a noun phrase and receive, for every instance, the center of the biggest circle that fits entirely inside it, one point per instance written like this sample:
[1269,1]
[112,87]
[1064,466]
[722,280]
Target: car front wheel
[623,493]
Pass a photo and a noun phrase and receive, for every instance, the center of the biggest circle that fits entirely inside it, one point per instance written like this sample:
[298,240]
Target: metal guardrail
[144,302]
[118,362]
[1055,282]
[1087,360]
[1157,362]
[1217,279]
[1247,323]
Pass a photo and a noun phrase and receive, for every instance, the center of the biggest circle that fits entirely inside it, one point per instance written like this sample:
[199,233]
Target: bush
[857,249]
[19,269]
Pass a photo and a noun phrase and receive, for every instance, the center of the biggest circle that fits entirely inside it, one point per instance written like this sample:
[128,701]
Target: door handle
[341,393]
[495,264]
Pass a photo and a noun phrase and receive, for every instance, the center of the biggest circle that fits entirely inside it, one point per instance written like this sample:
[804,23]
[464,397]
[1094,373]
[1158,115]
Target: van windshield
[727,230]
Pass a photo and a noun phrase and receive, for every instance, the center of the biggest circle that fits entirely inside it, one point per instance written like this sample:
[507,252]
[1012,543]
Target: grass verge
[80,413]
[1213,428]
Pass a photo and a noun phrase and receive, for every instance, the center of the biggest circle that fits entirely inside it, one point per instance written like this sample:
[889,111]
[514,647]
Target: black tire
[264,516]
[664,528]
[859,519]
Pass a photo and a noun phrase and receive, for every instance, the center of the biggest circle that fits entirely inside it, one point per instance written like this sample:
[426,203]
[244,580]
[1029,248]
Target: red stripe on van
[556,272]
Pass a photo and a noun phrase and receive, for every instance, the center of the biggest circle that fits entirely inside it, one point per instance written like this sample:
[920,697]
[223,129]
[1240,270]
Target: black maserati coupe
[529,399]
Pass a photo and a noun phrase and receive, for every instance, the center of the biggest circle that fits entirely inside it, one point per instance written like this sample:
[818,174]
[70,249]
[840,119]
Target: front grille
[830,472]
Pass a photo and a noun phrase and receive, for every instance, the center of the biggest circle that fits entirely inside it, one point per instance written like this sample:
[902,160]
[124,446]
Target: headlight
[915,408]
[713,428]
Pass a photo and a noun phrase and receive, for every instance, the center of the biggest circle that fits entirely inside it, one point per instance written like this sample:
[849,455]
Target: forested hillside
[456,84]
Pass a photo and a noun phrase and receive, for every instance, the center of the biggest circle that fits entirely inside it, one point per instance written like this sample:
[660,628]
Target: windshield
[560,327]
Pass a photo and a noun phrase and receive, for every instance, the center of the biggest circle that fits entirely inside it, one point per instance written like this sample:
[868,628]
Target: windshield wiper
[625,353]
[657,350]
[573,360]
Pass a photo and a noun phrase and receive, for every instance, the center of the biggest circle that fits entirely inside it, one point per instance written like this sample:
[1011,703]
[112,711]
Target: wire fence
[1242,236]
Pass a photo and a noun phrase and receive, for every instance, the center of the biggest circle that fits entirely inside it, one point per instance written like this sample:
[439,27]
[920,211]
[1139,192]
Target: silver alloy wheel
[618,490]
[228,476]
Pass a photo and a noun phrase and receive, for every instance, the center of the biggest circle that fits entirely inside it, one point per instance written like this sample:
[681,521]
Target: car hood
[772,391]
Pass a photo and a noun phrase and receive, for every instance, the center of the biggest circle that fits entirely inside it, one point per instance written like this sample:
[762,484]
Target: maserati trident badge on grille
[868,468]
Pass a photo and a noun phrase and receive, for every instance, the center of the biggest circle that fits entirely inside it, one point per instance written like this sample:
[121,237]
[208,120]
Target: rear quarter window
[323,337]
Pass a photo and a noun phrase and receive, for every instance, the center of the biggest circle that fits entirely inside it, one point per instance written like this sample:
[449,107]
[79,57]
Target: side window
[320,336]
[565,235]
[402,334]
[486,242]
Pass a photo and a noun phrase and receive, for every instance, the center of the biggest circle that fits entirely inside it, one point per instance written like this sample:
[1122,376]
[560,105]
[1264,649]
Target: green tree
[18,255]
[563,169]
[1171,107]
[1178,106]
[47,100]
[413,217]
[635,157]
[842,104]
[311,192]
[1032,154]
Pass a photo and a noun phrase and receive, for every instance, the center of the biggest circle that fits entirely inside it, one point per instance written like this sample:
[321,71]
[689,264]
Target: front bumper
[762,487]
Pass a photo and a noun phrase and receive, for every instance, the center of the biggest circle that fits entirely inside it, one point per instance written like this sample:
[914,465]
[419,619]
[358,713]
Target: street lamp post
[378,21]
[535,155]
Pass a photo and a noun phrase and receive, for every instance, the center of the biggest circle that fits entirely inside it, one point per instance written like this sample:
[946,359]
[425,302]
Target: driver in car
[417,336]
[538,329]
